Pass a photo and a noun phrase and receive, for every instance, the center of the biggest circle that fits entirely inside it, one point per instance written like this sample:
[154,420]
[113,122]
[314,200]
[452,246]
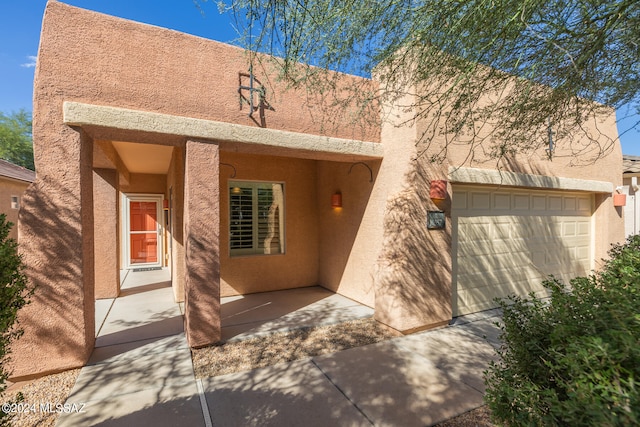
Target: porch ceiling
[144,158]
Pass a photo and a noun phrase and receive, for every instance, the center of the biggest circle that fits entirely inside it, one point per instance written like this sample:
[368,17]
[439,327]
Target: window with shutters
[256,218]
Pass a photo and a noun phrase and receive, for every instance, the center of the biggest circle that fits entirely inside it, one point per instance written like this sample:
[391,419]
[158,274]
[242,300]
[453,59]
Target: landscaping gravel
[284,347]
[36,402]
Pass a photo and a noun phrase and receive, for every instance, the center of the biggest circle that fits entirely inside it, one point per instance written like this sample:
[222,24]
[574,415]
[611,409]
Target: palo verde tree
[543,62]
[16,144]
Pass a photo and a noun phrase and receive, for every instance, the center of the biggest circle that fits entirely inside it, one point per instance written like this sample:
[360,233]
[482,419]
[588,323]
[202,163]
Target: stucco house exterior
[147,157]
[630,187]
[14,180]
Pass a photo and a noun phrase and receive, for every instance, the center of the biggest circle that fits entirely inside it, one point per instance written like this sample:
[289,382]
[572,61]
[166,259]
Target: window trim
[236,252]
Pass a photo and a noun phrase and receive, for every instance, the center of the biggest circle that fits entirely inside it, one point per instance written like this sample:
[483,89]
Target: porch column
[201,237]
[56,226]
[105,201]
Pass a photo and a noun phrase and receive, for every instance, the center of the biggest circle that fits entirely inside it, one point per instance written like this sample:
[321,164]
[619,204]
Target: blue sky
[20,22]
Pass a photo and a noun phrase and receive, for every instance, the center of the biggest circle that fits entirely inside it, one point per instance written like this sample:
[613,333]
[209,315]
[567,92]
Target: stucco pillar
[176,199]
[414,267]
[56,225]
[201,235]
[105,202]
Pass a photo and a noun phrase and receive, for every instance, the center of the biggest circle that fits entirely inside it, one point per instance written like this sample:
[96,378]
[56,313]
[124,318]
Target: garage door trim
[513,179]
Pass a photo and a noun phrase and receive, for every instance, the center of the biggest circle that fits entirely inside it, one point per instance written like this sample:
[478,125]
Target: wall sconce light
[619,199]
[336,200]
[438,190]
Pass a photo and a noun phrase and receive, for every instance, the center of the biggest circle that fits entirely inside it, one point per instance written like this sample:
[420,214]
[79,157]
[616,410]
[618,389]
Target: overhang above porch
[229,136]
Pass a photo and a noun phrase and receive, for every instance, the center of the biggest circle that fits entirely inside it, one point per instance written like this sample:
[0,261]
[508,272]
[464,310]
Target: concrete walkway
[141,372]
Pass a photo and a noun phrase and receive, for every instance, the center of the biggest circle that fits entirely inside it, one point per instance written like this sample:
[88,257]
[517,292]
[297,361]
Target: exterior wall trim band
[80,114]
[514,179]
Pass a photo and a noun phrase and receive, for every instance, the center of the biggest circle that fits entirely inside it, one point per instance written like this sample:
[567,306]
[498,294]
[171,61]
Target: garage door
[507,241]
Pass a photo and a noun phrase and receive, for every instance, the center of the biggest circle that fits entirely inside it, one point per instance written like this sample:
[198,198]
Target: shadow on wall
[418,267]
[342,237]
[254,94]
[536,248]
[513,254]
[58,335]
[202,288]
[415,265]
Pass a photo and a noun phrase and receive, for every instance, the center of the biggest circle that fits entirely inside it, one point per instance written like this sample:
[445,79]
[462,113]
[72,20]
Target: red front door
[143,232]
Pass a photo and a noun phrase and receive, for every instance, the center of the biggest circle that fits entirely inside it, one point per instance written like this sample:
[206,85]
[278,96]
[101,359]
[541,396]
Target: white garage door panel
[508,241]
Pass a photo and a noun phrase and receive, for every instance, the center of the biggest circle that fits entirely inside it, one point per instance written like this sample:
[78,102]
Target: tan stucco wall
[175,196]
[567,162]
[348,243]
[9,188]
[298,267]
[145,183]
[414,280]
[57,236]
[202,244]
[107,233]
[324,246]
[413,271]
[95,58]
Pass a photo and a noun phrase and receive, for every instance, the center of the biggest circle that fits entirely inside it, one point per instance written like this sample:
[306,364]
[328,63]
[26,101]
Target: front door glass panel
[143,232]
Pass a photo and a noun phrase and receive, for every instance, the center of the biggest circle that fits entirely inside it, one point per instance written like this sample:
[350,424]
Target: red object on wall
[438,190]
[619,199]
[336,200]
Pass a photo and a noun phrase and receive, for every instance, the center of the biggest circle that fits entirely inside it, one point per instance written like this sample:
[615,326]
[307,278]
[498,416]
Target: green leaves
[539,62]
[15,139]
[14,294]
[574,359]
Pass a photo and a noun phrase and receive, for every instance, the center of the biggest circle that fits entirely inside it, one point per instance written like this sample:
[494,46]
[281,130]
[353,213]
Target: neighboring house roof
[630,164]
[12,171]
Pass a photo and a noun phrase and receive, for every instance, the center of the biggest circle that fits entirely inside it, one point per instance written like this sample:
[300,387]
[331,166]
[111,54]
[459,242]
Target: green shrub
[573,359]
[14,294]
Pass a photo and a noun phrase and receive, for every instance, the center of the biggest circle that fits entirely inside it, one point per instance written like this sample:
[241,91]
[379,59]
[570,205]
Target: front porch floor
[146,309]
[247,316]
